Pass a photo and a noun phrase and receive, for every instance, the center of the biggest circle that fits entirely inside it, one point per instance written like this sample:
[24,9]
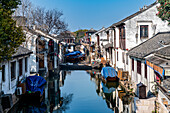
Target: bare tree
[54,22]
[50,21]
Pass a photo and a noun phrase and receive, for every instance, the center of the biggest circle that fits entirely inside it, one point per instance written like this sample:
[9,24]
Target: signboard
[155,68]
[167,72]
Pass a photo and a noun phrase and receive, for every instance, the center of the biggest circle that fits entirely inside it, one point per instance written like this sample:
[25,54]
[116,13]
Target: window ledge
[143,37]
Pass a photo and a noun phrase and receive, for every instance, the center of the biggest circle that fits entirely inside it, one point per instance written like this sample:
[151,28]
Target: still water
[80,92]
[84,96]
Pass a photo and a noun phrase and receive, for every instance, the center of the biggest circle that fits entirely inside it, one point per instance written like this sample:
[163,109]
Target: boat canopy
[108,72]
[35,83]
[73,53]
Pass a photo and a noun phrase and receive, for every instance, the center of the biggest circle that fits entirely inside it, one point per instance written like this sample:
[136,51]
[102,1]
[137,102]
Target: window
[133,64]
[13,70]
[127,59]
[20,67]
[117,56]
[138,67]
[144,31]
[107,35]
[122,40]
[114,38]
[98,40]
[145,71]
[123,57]
[3,73]
[26,63]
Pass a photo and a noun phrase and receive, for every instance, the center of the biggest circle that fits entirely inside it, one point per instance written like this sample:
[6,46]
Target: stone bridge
[74,67]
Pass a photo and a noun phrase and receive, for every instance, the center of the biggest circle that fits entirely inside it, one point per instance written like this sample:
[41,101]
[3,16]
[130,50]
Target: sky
[87,14]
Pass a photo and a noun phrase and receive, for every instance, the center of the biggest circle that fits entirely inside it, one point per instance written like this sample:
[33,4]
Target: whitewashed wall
[9,86]
[147,17]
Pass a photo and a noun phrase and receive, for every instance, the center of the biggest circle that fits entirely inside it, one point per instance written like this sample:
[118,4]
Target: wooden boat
[109,74]
[32,97]
[34,89]
[74,56]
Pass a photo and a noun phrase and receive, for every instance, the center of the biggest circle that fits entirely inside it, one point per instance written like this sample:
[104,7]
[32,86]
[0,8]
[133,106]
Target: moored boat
[109,74]
[74,56]
[34,89]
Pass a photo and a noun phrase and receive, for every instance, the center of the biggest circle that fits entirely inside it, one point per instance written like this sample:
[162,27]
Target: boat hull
[110,79]
[32,98]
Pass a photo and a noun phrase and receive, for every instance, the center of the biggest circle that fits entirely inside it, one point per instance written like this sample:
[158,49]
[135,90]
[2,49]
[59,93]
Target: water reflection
[114,95]
[80,91]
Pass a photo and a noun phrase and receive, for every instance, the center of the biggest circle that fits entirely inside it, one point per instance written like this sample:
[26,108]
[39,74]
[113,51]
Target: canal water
[79,92]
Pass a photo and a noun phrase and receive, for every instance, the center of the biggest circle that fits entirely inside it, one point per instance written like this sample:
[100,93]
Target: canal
[79,92]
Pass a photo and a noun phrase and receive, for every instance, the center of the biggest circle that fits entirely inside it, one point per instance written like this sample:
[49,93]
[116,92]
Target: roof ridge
[133,15]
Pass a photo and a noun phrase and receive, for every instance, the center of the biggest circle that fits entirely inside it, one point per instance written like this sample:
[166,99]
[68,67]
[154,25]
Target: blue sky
[86,14]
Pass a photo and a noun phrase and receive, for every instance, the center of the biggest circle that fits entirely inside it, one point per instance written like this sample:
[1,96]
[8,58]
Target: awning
[156,68]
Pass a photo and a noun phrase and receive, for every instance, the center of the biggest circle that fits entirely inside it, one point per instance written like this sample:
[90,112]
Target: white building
[128,33]
[45,50]
[15,70]
[141,70]
[134,30]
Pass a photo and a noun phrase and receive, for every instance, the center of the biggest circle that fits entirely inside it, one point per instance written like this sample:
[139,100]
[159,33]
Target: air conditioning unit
[19,90]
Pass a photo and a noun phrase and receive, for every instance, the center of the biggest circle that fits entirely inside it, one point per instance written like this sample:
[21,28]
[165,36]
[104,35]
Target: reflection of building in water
[52,91]
[116,98]
[62,75]
[125,102]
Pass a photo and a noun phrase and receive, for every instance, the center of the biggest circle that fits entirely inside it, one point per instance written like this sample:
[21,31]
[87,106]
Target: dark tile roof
[166,83]
[33,31]
[133,15]
[150,45]
[165,51]
[21,51]
[66,35]
[155,60]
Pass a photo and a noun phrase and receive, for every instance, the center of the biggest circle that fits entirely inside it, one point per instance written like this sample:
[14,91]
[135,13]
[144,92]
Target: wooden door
[41,61]
[142,92]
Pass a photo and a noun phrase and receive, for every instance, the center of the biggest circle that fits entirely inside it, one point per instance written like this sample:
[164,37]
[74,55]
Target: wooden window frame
[138,67]
[127,59]
[146,70]
[20,67]
[143,31]
[3,73]
[98,40]
[13,70]
[122,38]
[26,64]
[107,35]
[123,57]
[114,38]
[132,64]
